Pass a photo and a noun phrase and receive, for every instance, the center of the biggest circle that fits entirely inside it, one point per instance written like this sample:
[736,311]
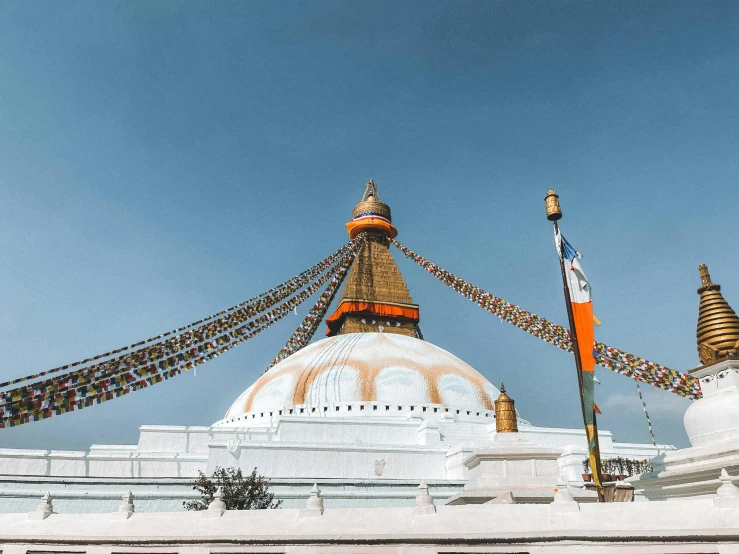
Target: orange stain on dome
[305,374]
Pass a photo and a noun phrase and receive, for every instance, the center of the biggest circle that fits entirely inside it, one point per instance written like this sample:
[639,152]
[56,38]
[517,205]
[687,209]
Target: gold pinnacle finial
[706,279]
[370,192]
[554,212]
[718,325]
[505,413]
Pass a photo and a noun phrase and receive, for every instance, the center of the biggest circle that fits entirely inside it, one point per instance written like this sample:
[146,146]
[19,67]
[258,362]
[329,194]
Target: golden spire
[375,297]
[718,324]
[505,413]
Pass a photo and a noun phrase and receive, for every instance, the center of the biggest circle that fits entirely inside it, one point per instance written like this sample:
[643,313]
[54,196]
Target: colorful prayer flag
[584,327]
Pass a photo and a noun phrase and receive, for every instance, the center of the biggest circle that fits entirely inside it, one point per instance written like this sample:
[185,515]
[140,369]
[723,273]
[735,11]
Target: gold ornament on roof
[505,413]
[554,212]
[718,325]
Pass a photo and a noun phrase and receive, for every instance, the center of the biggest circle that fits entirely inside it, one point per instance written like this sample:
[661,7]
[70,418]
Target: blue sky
[160,161]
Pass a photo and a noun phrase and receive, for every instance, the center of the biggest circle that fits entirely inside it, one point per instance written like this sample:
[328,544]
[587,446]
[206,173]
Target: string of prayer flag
[305,331]
[88,396]
[607,356]
[113,378]
[291,284]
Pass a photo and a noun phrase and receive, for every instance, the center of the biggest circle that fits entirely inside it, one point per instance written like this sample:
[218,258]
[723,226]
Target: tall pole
[554,213]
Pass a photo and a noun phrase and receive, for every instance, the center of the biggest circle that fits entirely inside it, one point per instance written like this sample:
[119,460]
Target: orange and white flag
[580,298]
[582,315]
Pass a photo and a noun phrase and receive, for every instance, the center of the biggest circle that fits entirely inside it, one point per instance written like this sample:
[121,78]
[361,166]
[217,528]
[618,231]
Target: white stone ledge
[179,481]
[187,494]
[359,410]
[97,495]
[148,456]
[641,446]
[365,482]
[115,447]
[175,428]
[562,431]
[123,481]
[27,453]
[696,522]
[333,447]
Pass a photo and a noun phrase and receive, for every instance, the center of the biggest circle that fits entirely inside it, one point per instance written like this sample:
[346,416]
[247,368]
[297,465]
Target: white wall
[684,526]
[390,453]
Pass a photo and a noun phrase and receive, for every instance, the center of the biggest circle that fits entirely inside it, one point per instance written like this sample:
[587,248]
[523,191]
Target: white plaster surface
[359,460]
[682,526]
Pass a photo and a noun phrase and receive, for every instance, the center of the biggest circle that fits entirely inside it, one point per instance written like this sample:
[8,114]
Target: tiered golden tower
[718,324]
[375,297]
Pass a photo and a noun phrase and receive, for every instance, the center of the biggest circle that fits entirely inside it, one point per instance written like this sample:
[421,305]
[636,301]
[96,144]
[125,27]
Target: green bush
[620,466]
[239,492]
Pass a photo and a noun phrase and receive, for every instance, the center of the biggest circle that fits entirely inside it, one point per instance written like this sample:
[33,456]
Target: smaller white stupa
[712,423]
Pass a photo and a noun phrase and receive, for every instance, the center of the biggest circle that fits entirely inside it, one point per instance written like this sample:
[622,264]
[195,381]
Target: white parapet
[680,526]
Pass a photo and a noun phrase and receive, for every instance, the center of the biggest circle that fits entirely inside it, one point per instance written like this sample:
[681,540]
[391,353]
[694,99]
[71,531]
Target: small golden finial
[505,413]
[554,212]
[370,192]
[718,325]
[706,283]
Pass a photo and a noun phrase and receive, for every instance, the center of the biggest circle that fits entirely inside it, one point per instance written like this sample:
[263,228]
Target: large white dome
[366,368]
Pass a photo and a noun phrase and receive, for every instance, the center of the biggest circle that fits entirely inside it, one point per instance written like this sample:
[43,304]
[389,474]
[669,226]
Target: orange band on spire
[405,311]
[369,223]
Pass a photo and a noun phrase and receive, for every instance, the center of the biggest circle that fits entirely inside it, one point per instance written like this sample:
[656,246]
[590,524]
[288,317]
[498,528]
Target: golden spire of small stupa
[505,413]
[718,324]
